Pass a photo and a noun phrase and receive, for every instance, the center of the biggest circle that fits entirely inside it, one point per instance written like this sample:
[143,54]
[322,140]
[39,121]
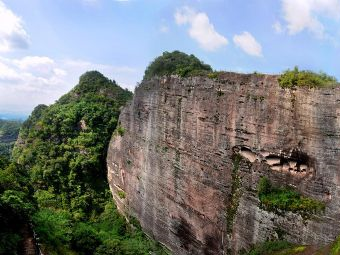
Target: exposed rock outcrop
[178,165]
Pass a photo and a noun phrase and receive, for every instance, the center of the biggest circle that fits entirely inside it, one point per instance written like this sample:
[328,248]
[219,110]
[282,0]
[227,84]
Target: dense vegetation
[281,199]
[296,78]
[61,152]
[277,247]
[176,62]
[9,130]
[16,205]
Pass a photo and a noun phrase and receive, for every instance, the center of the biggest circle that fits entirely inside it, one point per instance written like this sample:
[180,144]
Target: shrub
[283,199]
[176,62]
[85,239]
[53,227]
[120,130]
[121,194]
[269,247]
[296,78]
[111,247]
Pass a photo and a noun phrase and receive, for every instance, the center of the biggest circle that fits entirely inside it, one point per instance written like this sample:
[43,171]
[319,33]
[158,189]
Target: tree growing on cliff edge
[176,62]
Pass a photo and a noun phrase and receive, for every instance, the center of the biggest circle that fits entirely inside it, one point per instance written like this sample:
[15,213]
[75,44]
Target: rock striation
[193,151]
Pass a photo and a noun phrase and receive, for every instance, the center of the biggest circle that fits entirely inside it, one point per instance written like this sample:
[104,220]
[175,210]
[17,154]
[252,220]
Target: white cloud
[12,32]
[200,28]
[277,27]
[7,73]
[248,44]
[33,80]
[307,14]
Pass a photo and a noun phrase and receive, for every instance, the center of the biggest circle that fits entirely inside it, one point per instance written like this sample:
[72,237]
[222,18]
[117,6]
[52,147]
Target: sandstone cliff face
[178,162]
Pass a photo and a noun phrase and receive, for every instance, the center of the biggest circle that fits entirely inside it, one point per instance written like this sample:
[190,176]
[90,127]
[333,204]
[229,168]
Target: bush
[283,199]
[296,78]
[269,247]
[264,187]
[112,247]
[85,239]
[53,227]
[121,194]
[176,62]
[121,130]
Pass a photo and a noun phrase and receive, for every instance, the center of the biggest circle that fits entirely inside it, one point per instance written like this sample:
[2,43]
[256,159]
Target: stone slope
[177,162]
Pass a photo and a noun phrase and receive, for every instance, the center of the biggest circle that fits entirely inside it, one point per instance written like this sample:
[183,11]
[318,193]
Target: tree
[176,62]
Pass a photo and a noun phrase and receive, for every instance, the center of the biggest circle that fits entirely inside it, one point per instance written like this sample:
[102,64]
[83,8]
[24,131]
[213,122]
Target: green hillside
[61,158]
[9,130]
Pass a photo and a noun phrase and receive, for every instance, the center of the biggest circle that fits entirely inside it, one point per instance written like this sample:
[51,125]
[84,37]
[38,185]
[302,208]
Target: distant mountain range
[13,116]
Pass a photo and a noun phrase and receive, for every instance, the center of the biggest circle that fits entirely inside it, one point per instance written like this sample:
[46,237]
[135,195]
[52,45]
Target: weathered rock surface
[176,161]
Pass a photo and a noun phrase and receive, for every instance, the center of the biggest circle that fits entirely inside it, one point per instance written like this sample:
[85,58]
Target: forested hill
[61,156]
[9,130]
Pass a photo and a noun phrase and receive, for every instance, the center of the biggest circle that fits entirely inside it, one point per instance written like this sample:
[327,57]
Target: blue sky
[46,44]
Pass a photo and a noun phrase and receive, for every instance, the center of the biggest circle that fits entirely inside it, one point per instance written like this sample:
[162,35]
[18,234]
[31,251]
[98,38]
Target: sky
[45,45]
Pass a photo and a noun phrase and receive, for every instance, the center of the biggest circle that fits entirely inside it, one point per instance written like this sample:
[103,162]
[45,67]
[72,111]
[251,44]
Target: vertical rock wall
[194,149]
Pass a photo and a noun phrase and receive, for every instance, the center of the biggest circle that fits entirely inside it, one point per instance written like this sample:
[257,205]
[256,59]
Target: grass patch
[281,199]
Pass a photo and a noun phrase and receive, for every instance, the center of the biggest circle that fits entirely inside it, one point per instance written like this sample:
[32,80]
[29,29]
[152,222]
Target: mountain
[62,149]
[221,162]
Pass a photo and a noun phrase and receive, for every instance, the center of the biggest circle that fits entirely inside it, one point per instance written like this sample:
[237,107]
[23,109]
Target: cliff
[193,151]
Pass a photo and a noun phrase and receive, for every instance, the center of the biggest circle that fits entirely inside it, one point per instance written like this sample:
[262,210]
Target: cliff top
[183,65]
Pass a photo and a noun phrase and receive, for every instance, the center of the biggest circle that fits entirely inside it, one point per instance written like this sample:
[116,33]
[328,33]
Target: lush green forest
[58,181]
[9,130]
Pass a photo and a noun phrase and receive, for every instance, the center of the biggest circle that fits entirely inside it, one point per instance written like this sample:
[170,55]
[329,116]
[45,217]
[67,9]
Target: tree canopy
[9,130]
[176,62]
[62,151]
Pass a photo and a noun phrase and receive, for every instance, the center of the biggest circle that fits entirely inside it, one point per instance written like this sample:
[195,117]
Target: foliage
[85,238]
[269,247]
[277,247]
[16,205]
[335,249]
[121,194]
[235,193]
[176,62]
[120,130]
[296,78]
[286,199]
[64,145]
[63,150]
[54,227]
[9,130]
